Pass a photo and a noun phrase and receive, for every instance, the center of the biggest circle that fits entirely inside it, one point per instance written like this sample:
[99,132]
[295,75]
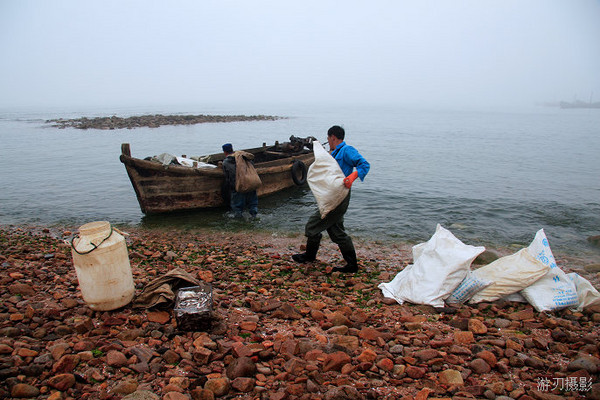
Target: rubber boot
[351,263]
[312,246]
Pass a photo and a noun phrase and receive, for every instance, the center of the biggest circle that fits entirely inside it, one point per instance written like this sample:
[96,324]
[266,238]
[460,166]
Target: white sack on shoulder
[554,290]
[326,180]
[510,274]
[587,294]
[440,264]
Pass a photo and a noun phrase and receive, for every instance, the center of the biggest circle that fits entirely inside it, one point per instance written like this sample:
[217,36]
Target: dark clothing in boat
[237,202]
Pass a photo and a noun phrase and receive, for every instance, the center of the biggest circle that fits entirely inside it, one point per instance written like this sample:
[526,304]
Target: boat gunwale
[267,167]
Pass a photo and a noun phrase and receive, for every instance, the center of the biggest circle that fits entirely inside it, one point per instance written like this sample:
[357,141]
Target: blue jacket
[348,158]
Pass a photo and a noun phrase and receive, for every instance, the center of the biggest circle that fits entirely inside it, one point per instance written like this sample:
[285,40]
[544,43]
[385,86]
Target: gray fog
[424,53]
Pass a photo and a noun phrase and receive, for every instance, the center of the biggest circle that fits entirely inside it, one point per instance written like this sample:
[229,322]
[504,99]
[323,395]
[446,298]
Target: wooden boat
[163,188]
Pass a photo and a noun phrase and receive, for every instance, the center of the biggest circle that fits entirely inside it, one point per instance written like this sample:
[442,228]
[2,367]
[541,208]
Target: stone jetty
[152,121]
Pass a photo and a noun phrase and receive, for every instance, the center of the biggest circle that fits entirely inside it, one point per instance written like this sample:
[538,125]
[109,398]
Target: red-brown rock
[62,382]
[335,361]
[415,372]
[161,317]
[243,384]
[115,358]
[219,386]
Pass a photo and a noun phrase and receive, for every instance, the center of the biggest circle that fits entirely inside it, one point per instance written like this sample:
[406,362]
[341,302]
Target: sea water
[493,177]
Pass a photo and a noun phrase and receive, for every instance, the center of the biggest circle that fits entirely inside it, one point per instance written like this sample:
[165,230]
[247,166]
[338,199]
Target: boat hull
[162,189]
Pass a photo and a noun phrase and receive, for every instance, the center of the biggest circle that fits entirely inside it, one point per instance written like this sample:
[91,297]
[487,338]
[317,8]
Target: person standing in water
[237,201]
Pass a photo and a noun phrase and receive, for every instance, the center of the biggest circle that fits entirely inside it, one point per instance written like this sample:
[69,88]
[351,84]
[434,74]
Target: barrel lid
[94,228]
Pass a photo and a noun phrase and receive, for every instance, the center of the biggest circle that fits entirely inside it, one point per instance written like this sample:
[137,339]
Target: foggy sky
[459,52]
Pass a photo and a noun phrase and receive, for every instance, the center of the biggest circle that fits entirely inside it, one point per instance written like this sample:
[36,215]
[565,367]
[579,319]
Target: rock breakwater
[280,331]
[152,121]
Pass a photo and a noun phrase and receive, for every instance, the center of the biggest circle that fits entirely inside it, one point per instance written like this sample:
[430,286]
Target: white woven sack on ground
[439,265]
[554,290]
[516,297]
[467,288]
[510,274]
[326,180]
[588,295]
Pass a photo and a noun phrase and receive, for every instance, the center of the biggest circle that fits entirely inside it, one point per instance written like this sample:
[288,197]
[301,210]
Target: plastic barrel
[102,265]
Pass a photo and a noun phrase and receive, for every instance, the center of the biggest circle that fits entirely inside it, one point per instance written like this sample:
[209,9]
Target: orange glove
[350,179]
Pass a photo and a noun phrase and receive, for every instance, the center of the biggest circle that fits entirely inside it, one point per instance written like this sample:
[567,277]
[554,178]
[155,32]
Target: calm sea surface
[493,178]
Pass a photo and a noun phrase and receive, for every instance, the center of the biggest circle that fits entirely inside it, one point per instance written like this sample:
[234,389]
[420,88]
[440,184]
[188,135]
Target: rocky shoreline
[280,331]
[152,121]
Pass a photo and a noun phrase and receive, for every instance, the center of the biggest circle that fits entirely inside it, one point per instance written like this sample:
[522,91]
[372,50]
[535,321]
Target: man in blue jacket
[348,158]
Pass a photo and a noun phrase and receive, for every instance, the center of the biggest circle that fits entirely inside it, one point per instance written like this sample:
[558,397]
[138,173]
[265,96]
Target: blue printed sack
[554,290]
[467,288]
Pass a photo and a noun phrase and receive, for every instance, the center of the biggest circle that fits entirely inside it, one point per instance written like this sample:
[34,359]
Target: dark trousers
[240,201]
[333,223]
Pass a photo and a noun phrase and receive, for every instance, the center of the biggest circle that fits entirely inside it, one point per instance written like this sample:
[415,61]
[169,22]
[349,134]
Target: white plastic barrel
[102,264]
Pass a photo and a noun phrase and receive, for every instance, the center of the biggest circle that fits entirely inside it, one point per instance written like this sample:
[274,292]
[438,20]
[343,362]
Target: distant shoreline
[152,121]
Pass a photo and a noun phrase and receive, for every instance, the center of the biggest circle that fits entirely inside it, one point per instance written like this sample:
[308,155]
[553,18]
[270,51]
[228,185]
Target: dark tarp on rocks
[162,290]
